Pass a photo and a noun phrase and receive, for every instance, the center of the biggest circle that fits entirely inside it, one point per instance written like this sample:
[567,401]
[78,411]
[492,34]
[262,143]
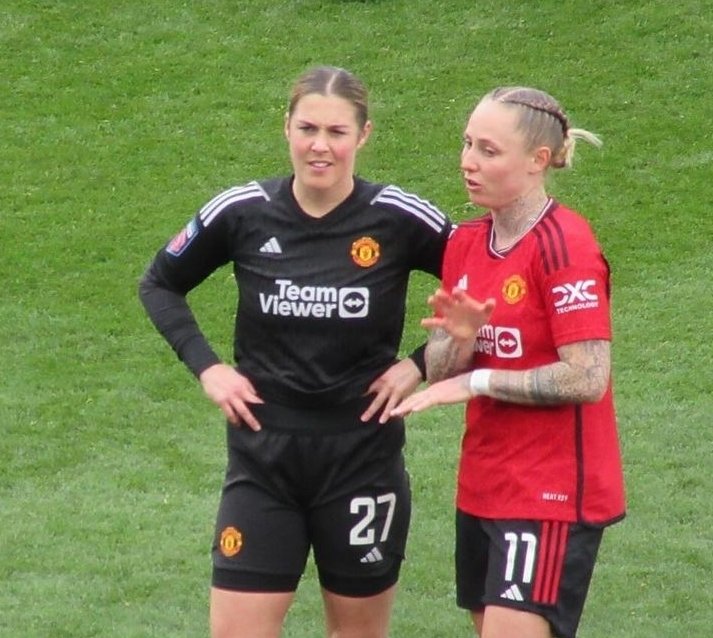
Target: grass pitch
[120,119]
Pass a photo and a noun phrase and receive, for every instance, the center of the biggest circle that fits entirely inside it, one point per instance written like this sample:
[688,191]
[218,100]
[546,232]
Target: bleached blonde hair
[543,122]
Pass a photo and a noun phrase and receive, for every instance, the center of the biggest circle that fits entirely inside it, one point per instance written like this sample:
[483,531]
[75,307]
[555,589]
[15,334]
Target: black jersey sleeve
[418,356]
[429,248]
[170,313]
[187,260]
[424,230]
[425,227]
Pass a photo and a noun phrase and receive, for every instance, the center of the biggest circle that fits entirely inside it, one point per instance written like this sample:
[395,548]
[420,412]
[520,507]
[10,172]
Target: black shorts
[543,567]
[313,479]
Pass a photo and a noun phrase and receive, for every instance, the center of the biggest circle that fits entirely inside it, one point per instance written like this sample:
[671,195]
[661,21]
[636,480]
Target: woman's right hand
[452,390]
[458,314]
[231,392]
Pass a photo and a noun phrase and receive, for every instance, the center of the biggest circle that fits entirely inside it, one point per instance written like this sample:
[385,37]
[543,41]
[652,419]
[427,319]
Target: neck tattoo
[511,237]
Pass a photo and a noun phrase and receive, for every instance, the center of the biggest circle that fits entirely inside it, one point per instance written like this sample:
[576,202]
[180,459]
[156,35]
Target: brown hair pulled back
[331,80]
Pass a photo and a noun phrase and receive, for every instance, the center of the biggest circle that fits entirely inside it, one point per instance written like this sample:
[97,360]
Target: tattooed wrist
[530,387]
[543,387]
[445,356]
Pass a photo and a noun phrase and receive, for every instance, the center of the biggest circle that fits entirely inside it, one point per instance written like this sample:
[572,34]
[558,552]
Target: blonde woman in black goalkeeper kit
[322,260]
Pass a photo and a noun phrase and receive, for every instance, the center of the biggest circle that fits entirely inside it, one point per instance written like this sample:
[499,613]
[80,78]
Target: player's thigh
[504,622]
[358,617]
[236,614]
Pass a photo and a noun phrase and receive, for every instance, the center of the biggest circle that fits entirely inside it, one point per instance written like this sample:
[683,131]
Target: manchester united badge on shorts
[231,540]
[365,252]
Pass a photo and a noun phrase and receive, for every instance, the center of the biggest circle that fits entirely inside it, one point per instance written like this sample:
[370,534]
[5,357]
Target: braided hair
[543,122]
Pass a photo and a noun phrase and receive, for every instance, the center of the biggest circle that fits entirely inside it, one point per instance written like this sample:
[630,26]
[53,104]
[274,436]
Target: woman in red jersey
[540,470]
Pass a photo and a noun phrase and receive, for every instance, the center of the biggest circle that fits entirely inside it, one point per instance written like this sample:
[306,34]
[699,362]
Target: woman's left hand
[400,380]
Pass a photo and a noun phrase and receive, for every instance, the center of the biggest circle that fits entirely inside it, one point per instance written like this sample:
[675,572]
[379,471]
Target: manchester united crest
[365,252]
[514,289]
[231,541]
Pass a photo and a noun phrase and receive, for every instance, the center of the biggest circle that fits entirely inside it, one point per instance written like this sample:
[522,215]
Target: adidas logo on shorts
[372,556]
[512,593]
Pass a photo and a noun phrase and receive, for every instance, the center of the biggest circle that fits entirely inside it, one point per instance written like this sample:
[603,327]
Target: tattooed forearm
[445,356]
[581,376]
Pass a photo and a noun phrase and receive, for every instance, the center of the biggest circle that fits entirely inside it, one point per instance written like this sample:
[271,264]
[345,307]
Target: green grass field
[117,120]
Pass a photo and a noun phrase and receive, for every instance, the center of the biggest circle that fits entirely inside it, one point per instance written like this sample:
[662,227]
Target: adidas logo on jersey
[372,556]
[512,593]
[271,246]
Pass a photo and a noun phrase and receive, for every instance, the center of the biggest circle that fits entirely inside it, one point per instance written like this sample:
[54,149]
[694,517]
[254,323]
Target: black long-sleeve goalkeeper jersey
[321,301]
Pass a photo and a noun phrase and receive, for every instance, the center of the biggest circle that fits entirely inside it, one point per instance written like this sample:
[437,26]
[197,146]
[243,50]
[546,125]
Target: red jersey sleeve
[577,294]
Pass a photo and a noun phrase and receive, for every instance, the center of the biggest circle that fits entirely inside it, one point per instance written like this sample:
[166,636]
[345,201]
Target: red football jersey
[551,288]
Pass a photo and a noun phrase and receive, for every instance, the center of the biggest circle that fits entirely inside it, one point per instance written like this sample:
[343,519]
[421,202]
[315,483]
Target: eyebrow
[480,140]
[329,126]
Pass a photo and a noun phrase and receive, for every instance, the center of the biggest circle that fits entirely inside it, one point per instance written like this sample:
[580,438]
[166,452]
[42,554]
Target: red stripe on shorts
[550,559]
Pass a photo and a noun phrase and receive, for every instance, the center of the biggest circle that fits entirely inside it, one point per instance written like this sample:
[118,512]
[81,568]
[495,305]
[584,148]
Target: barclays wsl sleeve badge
[181,241]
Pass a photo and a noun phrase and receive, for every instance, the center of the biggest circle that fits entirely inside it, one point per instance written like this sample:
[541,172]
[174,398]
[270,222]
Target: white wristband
[479,382]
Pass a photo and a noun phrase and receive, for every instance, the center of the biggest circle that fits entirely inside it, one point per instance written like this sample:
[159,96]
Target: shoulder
[411,206]
[564,236]
[235,197]
[572,223]
[467,230]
